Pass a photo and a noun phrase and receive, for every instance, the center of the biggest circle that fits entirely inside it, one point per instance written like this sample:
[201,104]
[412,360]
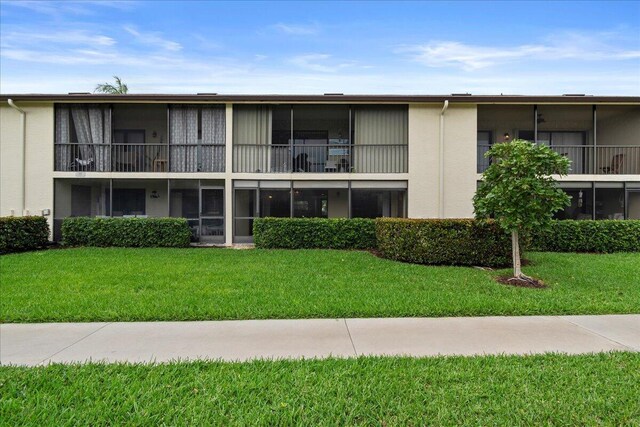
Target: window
[581,206]
[310,203]
[609,200]
[377,203]
[484,137]
[128,136]
[275,203]
[485,140]
[128,201]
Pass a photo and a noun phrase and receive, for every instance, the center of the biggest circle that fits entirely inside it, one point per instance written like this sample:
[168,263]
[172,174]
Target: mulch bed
[521,283]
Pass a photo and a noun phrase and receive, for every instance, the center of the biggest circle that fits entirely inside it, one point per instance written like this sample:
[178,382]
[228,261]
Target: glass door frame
[256,213]
[201,217]
[627,195]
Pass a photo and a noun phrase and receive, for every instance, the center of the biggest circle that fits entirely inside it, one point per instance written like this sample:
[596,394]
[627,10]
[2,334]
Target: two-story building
[220,161]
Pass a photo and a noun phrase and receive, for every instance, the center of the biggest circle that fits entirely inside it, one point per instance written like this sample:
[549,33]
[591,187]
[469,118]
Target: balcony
[320,158]
[139,157]
[320,138]
[587,159]
[598,139]
[139,138]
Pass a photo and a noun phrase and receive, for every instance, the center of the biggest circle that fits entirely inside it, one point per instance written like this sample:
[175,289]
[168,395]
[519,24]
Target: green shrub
[126,232]
[589,236]
[314,233]
[444,241]
[23,233]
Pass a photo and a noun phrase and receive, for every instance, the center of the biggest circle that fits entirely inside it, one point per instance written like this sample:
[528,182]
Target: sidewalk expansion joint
[350,337]
[76,342]
[598,334]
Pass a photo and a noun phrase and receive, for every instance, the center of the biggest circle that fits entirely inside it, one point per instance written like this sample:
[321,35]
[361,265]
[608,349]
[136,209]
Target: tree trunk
[515,252]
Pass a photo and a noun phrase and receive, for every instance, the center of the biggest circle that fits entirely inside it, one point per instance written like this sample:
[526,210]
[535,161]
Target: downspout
[23,115]
[441,168]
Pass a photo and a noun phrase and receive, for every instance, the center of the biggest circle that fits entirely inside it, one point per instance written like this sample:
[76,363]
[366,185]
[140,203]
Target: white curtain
[92,125]
[377,131]
[63,151]
[213,138]
[183,138]
[252,125]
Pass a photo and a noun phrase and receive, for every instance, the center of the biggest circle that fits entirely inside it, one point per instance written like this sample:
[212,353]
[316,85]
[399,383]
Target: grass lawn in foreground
[116,284]
[601,389]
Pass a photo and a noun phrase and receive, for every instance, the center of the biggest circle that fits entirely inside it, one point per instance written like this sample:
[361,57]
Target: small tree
[519,192]
[118,88]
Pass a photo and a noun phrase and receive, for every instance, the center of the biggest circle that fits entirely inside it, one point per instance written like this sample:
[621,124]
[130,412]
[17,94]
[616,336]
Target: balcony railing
[139,157]
[587,159]
[320,158]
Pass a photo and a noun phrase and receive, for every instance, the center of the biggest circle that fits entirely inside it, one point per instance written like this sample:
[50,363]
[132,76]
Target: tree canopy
[518,189]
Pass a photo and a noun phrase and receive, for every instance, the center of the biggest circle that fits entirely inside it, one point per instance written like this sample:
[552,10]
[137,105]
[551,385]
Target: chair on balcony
[616,165]
[82,165]
[331,166]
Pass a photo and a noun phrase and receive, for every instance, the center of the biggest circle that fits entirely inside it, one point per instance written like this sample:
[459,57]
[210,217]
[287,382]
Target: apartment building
[220,161]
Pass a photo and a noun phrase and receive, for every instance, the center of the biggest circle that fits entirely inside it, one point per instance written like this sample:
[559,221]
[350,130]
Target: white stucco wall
[459,173]
[423,160]
[39,159]
[460,144]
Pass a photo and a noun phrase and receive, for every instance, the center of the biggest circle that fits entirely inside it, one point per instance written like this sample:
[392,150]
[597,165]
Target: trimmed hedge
[314,233]
[126,232]
[589,236]
[444,241]
[23,233]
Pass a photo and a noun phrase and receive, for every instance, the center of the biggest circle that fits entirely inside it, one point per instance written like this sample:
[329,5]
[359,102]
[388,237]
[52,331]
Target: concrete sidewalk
[35,344]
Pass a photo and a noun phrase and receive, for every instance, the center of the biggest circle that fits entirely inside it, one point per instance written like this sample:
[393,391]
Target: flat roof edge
[571,99]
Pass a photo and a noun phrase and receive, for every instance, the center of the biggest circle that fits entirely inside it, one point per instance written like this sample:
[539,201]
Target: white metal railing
[587,159]
[139,157]
[320,158]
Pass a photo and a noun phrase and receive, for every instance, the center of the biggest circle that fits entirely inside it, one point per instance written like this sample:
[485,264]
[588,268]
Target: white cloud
[297,29]
[61,36]
[239,79]
[566,45]
[320,62]
[153,39]
[68,7]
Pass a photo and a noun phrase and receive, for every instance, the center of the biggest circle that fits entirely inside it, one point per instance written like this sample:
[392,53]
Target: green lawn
[601,389]
[112,284]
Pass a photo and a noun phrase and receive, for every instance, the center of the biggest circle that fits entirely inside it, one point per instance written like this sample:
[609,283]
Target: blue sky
[318,47]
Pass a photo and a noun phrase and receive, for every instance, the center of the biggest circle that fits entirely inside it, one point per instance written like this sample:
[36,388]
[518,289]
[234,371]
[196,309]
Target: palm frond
[108,88]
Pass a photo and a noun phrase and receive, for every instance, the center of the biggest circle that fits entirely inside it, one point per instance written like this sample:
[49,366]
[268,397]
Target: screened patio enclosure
[201,202]
[314,199]
[601,200]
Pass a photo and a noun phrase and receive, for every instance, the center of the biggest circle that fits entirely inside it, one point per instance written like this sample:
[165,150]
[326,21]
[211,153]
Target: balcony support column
[349,214]
[228,182]
[535,124]
[594,160]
